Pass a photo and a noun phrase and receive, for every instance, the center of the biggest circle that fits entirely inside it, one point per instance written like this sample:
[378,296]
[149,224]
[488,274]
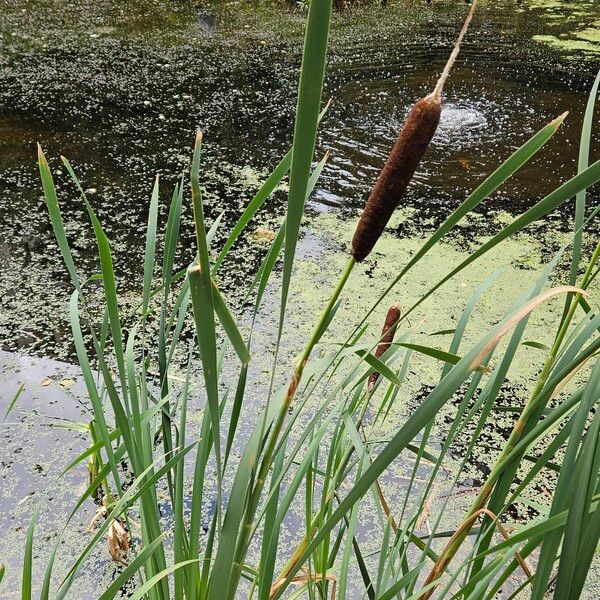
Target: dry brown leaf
[466,526]
[66,382]
[302,579]
[427,507]
[118,541]
[521,314]
[46,381]
[262,234]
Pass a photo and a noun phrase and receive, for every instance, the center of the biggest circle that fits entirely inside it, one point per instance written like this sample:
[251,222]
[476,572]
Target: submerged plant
[330,450]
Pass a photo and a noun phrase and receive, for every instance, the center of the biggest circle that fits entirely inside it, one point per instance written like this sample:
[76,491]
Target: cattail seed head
[412,142]
[409,149]
[387,337]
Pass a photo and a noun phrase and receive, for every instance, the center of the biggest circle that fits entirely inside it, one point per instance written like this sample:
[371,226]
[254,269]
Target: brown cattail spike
[409,149]
[418,129]
[387,337]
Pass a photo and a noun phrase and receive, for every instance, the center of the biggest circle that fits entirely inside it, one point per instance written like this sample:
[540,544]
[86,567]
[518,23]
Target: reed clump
[227,545]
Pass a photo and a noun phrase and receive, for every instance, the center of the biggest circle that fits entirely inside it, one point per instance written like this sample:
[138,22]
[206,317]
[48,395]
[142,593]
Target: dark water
[122,104]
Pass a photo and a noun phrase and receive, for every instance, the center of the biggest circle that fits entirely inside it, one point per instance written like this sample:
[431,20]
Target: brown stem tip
[387,337]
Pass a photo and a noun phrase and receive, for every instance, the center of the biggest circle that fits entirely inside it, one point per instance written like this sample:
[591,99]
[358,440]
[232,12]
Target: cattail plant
[387,337]
[393,180]
[410,147]
[412,142]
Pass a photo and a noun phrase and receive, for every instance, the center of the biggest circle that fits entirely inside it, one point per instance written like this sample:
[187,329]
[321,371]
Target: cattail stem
[439,86]
[387,337]
[277,428]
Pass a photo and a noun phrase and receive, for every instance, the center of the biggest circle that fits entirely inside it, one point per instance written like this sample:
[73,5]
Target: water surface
[120,91]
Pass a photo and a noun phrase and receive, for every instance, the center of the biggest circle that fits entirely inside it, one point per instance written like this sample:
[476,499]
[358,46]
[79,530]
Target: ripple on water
[462,123]
[489,109]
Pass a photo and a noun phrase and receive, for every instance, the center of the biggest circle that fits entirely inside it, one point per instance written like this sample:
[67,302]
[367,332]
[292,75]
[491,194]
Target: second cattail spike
[387,337]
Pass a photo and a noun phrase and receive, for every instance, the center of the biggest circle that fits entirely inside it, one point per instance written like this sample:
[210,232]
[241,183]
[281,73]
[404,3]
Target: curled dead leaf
[118,541]
[424,515]
[264,235]
[303,579]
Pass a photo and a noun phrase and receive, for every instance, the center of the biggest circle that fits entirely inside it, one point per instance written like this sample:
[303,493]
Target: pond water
[121,97]
[119,90]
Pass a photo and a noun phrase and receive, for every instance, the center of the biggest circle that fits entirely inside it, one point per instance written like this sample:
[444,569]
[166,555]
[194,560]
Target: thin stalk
[439,86]
[338,478]
[278,425]
[479,503]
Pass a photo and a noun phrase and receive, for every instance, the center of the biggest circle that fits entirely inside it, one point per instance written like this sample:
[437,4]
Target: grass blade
[229,325]
[131,569]
[305,131]
[150,248]
[582,164]
[26,580]
[56,218]
[201,290]
[15,397]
